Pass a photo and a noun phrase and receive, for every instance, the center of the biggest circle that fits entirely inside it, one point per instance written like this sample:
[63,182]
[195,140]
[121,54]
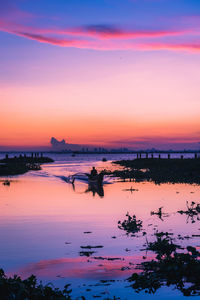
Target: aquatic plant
[86,253]
[159,213]
[131,190]
[193,210]
[91,247]
[170,268]
[14,288]
[131,225]
[163,246]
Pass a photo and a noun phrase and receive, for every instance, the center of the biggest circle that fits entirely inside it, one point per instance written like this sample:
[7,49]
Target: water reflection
[95,189]
[170,268]
[80,267]
[43,221]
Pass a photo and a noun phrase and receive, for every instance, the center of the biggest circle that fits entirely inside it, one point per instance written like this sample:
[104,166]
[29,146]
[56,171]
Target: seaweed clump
[170,268]
[131,225]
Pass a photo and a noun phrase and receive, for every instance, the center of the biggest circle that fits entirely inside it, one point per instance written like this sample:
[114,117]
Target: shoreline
[22,164]
[159,170]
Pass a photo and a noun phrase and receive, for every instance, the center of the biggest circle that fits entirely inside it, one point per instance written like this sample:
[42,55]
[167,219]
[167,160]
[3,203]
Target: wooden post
[159,156]
[137,155]
[195,156]
[181,156]
[168,156]
[151,155]
[146,155]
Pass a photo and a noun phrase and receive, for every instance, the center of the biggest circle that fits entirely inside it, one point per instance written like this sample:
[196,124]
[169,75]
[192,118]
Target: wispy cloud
[102,36]
[103,31]
[50,40]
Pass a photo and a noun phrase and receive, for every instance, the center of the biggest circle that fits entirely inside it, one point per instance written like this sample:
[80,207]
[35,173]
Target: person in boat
[93,172]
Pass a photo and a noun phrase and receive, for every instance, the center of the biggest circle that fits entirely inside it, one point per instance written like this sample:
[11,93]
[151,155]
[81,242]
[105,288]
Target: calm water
[43,220]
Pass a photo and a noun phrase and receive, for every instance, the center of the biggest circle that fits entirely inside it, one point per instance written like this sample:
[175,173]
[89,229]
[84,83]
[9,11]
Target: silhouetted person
[93,172]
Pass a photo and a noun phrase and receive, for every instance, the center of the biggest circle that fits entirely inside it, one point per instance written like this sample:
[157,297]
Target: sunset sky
[115,73]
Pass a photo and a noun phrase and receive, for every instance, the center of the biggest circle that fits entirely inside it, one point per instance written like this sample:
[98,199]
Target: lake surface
[44,221]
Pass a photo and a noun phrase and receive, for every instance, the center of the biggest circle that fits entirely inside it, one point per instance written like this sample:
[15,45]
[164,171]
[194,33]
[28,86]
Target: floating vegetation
[131,225]
[86,253]
[107,280]
[130,190]
[87,232]
[14,288]
[186,237]
[180,270]
[90,247]
[163,246]
[107,258]
[193,210]
[159,213]
[125,268]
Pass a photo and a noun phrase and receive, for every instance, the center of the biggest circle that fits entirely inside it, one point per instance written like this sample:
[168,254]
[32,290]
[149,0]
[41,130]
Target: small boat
[85,177]
[97,180]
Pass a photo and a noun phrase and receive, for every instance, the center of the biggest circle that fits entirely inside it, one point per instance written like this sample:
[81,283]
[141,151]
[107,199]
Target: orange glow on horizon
[141,101]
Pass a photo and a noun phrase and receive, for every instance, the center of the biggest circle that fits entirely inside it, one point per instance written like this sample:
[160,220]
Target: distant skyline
[61,145]
[108,73]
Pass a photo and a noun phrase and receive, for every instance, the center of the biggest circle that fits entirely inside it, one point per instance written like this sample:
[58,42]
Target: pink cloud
[52,40]
[109,44]
[110,32]
[187,46]
[102,37]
